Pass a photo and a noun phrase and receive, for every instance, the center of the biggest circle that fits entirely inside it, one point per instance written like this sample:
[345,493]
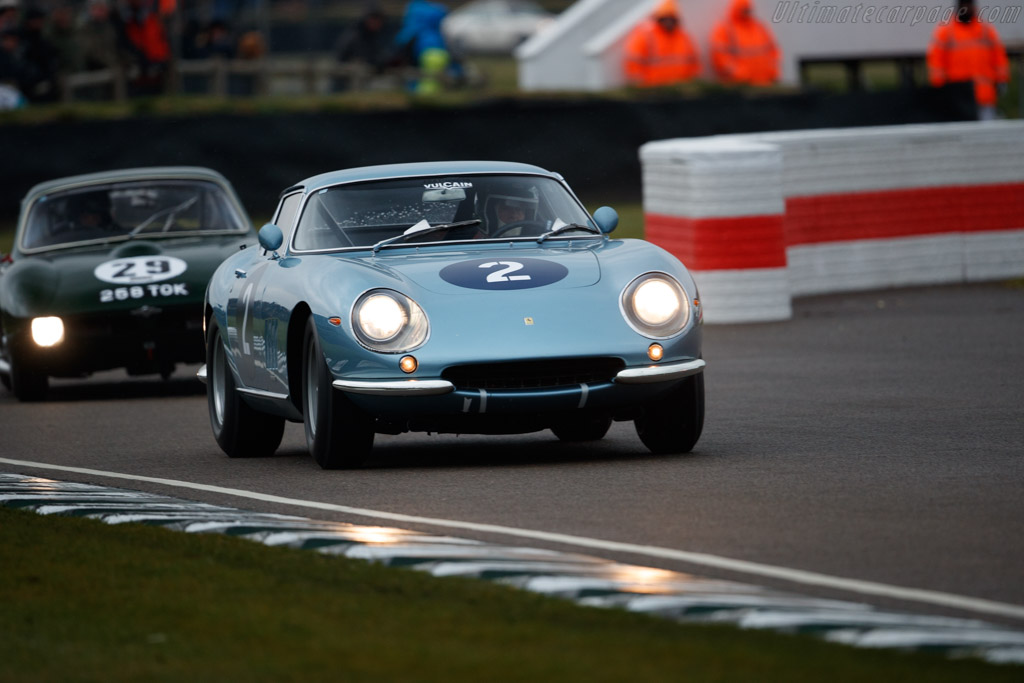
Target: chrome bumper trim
[260,393]
[201,373]
[403,387]
[660,373]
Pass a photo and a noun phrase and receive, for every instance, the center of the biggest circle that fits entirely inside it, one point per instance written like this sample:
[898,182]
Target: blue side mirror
[271,237]
[606,218]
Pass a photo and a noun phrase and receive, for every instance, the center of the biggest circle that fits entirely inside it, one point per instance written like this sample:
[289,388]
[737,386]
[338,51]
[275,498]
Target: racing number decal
[125,271]
[503,274]
[140,270]
[138,276]
[523,273]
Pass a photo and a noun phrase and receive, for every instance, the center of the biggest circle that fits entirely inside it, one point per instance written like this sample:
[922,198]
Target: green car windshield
[481,207]
[119,211]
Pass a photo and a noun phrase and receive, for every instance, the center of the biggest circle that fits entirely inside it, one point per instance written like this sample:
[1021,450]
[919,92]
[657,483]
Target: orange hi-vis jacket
[654,56]
[743,50]
[968,52]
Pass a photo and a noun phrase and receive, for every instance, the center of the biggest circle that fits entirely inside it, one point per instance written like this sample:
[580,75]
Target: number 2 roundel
[504,273]
[140,270]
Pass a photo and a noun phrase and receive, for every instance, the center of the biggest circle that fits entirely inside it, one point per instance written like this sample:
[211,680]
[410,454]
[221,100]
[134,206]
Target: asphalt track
[876,437]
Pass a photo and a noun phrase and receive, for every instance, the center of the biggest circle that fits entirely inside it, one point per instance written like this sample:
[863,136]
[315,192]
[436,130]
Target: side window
[285,217]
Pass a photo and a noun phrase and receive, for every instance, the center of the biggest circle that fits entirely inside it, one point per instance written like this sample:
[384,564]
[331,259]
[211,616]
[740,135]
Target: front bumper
[414,387]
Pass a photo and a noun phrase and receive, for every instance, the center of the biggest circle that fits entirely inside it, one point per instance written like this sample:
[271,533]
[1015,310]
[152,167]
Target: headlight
[389,322]
[655,305]
[47,331]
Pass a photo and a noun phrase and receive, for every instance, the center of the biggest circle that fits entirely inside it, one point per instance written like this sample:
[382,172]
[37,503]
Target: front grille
[534,374]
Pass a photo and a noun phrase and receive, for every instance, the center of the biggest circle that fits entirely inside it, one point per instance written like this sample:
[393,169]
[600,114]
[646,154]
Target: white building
[582,50]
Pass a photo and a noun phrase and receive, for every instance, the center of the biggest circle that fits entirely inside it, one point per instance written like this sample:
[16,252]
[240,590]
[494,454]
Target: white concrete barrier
[764,217]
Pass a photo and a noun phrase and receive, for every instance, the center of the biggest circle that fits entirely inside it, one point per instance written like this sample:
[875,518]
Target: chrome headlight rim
[411,334]
[674,325]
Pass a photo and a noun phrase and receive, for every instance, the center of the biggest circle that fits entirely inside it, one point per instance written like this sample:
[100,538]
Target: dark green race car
[108,270]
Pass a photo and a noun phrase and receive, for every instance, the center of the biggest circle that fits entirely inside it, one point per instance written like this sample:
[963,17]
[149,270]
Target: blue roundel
[503,273]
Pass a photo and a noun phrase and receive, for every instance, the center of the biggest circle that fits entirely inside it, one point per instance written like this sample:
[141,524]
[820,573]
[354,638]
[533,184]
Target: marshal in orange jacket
[968,51]
[743,49]
[659,52]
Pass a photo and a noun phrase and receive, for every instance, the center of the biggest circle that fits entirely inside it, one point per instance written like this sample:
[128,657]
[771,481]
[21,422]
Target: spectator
[658,51]
[13,72]
[252,45]
[420,38]
[968,50]
[367,42]
[63,35]
[220,44]
[98,37]
[147,42]
[40,57]
[10,14]
[743,50]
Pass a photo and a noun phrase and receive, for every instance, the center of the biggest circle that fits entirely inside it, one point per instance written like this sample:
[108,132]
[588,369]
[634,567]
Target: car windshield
[361,215]
[119,211]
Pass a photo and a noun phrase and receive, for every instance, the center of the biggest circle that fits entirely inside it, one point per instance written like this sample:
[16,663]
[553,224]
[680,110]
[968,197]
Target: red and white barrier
[761,218]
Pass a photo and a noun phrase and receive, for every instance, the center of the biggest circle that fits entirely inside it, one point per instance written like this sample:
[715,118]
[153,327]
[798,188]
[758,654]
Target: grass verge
[86,601]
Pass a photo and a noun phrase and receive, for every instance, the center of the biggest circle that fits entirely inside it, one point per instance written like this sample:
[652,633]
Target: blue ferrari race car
[458,297]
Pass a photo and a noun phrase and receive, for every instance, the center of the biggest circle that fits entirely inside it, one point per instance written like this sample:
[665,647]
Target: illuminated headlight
[389,322]
[655,305]
[47,331]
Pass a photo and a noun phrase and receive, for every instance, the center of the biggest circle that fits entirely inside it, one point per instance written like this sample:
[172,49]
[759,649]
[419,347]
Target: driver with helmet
[509,210]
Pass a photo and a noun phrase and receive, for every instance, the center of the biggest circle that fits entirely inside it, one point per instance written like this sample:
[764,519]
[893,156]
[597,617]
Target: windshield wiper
[565,228]
[416,231]
[170,212]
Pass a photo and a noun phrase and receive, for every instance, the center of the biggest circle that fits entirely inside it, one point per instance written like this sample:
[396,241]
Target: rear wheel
[674,423]
[583,428]
[241,432]
[338,434]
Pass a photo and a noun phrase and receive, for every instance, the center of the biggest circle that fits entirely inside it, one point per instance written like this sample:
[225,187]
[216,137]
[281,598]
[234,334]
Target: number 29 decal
[140,270]
[523,273]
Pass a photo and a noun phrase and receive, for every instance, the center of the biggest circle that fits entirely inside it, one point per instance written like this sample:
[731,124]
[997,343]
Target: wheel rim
[218,381]
[312,387]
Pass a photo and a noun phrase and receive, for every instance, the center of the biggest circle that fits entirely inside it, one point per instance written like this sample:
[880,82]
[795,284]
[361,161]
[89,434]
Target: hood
[99,279]
[499,269]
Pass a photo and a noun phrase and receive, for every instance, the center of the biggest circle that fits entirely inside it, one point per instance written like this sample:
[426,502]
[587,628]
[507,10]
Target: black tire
[241,432]
[674,423]
[338,434]
[583,428]
[26,383]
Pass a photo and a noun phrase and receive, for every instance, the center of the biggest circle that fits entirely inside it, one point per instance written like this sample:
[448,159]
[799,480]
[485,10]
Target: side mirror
[606,218]
[271,238]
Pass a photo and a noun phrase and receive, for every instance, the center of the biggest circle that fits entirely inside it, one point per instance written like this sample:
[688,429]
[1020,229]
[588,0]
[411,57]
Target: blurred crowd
[38,46]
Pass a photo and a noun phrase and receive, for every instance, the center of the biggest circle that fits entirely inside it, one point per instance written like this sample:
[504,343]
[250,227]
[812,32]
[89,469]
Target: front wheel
[241,432]
[338,434]
[26,383]
[674,423]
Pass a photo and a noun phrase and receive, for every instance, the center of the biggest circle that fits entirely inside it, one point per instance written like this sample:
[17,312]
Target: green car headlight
[47,331]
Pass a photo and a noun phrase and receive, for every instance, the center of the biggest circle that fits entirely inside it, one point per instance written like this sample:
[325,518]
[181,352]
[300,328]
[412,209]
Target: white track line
[742,566]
